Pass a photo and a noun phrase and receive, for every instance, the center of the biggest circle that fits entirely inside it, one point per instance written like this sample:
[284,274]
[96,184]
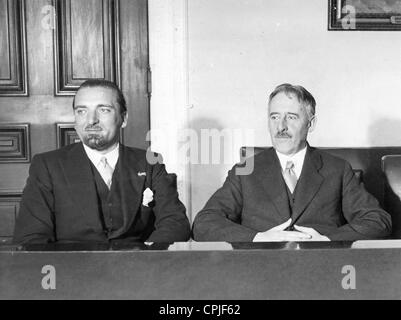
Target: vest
[291,196]
[109,202]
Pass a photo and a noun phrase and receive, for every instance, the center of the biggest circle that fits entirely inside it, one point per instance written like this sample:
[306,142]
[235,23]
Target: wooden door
[48,48]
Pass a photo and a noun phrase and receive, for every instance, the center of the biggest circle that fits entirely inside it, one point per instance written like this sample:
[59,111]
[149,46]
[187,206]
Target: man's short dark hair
[92,83]
[303,96]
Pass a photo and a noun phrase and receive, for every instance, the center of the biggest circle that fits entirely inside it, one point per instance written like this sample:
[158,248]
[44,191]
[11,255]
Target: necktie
[106,171]
[289,175]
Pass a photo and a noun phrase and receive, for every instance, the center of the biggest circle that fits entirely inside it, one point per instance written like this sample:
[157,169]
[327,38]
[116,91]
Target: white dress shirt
[95,156]
[297,159]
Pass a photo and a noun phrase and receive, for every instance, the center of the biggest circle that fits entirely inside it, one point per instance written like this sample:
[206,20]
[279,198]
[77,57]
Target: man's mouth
[93,129]
[283,136]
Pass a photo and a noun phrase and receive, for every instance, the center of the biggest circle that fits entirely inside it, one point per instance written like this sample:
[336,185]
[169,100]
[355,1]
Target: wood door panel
[86,43]
[134,71]
[13,67]
[122,21]
[5,68]
[87,58]
[9,207]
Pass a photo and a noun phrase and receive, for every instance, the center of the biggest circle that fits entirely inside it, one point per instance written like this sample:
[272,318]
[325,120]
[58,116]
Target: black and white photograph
[200,154]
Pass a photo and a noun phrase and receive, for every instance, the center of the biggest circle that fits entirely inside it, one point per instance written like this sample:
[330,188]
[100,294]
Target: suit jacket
[328,198]
[60,203]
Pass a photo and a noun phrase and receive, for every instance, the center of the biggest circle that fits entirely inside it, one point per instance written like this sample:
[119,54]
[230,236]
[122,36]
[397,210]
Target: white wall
[168,54]
[239,50]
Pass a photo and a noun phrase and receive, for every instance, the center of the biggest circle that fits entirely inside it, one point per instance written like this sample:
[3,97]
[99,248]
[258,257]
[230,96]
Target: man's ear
[312,124]
[125,119]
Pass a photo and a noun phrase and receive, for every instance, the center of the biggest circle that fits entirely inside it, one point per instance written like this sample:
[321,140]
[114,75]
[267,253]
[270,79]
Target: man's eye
[105,110]
[274,117]
[292,117]
[80,111]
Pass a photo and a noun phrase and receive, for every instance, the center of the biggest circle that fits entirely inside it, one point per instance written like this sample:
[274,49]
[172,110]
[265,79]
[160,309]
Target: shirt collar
[95,156]
[297,158]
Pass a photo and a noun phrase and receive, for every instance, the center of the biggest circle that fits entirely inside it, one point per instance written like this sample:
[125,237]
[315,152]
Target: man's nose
[282,125]
[92,117]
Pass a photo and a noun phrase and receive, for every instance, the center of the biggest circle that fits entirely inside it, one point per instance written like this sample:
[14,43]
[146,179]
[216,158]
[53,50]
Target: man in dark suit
[100,190]
[295,192]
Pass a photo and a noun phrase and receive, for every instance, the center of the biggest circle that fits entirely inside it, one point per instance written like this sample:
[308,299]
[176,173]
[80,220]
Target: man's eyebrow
[106,105]
[290,113]
[79,106]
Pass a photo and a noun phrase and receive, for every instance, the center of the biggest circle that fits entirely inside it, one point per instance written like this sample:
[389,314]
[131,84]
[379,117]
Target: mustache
[282,135]
[93,127]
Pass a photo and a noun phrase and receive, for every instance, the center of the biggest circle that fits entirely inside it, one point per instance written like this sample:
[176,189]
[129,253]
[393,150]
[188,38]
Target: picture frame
[364,15]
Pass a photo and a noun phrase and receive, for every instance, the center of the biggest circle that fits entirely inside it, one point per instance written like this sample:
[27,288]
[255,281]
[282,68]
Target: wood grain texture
[9,207]
[135,62]
[87,39]
[86,43]
[14,143]
[5,70]
[13,67]
[42,109]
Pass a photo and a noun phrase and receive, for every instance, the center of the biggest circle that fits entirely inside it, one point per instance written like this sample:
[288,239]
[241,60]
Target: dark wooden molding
[69,77]
[9,208]
[15,83]
[10,195]
[66,134]
[15,142]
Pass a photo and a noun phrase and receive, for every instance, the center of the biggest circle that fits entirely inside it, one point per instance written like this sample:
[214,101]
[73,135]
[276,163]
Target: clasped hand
[279,233]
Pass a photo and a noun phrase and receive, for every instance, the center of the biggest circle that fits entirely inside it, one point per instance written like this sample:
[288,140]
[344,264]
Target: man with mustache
[99,190]
[295,192]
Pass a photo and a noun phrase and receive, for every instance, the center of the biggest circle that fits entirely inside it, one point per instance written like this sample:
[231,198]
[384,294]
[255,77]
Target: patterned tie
[106,171]
[289,175]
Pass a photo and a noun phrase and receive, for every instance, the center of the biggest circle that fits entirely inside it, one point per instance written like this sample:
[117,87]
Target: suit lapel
[81,185]
[269,174]
[130,185]
[308,184]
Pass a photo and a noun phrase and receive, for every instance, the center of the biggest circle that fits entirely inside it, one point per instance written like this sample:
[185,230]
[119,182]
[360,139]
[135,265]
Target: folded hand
[278,234]
[315,236]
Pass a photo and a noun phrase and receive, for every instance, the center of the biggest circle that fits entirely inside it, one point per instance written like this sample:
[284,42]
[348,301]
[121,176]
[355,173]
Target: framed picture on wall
[353,15]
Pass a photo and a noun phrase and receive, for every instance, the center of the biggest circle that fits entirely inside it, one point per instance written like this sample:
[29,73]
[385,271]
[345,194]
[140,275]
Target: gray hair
[303,96]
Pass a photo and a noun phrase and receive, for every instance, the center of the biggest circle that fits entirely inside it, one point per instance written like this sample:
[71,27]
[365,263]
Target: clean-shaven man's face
[289,123]
[98,118]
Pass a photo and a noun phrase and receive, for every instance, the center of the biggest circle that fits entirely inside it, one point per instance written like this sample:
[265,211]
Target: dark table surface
[208,270]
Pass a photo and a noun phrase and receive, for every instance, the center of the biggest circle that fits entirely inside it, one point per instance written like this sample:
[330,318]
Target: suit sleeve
[365,218]
[220,219]
[171,222]
[35,221]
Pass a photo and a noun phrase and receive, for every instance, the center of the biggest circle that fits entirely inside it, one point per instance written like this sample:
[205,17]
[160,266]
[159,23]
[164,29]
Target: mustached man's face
[97,118]
[289,123]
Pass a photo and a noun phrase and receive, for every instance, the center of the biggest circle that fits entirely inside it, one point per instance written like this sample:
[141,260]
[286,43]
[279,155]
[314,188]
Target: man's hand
[278,234]
[315,236]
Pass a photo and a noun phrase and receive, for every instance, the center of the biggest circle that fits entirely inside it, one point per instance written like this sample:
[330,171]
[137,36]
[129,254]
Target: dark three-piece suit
[65,199]
[328,197]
